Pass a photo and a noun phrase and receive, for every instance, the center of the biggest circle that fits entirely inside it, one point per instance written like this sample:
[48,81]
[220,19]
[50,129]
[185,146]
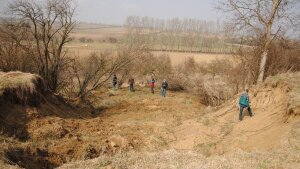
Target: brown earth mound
[24,105]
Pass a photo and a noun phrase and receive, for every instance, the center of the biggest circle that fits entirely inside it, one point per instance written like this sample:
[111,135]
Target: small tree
[49,26]
[96,71]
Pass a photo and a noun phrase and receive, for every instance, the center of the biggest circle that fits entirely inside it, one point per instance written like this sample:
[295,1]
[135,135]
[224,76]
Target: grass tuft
[20,87]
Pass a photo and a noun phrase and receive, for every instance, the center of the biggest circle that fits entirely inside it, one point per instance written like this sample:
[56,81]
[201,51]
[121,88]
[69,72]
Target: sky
[116,11]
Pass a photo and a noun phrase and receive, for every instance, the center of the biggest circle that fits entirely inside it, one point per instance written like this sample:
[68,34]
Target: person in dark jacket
[244,102]
[164,87]
[115,82]
[131,84]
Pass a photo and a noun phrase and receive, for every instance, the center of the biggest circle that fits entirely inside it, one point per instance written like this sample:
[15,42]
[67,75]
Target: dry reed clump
[19,87]
[177,82]
[211,91]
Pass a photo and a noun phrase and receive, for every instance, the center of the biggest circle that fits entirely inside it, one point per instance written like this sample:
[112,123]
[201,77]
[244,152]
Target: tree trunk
[247,85]
[262,66]
[264,55]
[267,42]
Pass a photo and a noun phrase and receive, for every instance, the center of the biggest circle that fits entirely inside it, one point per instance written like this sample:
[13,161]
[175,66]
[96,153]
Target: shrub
[112,40]
[89,40]
[82,40]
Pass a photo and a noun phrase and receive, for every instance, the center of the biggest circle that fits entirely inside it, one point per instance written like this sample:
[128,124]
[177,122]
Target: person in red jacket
[152,84]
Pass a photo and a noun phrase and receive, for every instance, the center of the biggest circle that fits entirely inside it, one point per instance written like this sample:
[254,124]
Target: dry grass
[76,49]
[6,166]
[4,144]
[20,86]
[95,31]
[290,83]
[172,159]
[180,57]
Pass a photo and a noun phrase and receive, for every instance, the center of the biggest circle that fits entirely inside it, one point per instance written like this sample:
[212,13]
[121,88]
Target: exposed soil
[54,133]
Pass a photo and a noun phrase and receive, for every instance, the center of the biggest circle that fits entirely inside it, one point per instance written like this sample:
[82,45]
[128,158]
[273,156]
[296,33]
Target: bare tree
[49,25]
[95,71]
[264,19]
[16,49]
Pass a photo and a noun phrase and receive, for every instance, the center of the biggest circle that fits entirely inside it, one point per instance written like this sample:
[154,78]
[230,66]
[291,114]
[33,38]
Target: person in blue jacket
[244,102]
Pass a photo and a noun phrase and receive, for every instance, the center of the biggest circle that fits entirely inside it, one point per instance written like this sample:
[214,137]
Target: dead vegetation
[22,88]
[289,83]
[189,160]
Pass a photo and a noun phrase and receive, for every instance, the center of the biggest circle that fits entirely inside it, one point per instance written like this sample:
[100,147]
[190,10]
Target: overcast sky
[116,11]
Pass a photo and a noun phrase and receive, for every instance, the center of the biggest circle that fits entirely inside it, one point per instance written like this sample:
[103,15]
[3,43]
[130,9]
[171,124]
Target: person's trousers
[163,92]
[152,90]
[241,111]
[114,85]
[131,88]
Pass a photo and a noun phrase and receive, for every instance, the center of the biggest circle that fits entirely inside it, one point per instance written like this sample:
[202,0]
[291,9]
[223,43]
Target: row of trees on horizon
[184,35]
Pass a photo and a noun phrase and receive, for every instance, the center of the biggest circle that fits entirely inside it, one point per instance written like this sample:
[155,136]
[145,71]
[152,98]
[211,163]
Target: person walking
[152,84]
[164,87]
[244,102]
[131,84]
[115,82]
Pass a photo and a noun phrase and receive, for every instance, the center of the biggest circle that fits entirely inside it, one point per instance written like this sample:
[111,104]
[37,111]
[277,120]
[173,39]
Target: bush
[13,56]
[89,40]
[112,40]
[177,82]
[284,56]
[82,40]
